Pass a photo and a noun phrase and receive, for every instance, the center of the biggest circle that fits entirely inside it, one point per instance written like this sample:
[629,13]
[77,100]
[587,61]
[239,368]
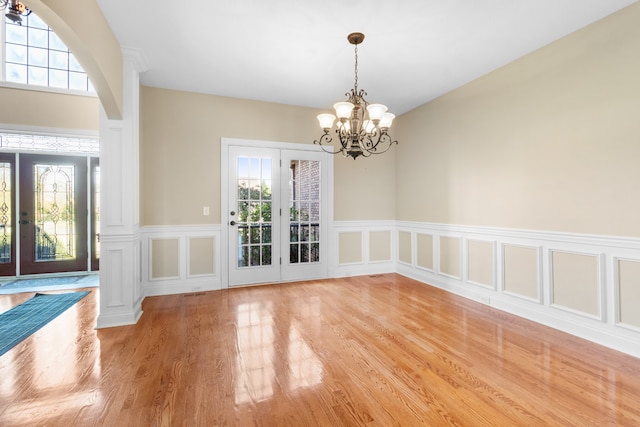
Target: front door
[53,214]
[277,217]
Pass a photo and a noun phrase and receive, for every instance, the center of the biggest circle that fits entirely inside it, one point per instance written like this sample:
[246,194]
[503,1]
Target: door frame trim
[225,143]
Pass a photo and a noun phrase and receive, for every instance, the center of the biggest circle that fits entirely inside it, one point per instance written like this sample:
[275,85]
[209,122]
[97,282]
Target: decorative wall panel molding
[207,276]
[361,230]
[578,291]
[511,270]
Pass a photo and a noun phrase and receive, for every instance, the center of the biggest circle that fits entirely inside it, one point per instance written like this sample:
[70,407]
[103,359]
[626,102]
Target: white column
[120,241]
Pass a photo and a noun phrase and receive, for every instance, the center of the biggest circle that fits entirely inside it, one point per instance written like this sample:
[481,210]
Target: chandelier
[362,128]
[15,10]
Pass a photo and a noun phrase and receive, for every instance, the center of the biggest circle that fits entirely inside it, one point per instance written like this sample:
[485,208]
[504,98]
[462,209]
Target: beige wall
[629,292]
[48,109]
[404,247]
[521,267]
[350,248]
[201,255]
[548,142]
[481,259]
[180,156]
[450,256]
[424,248]
[576,283]
[164,258]
[380,246]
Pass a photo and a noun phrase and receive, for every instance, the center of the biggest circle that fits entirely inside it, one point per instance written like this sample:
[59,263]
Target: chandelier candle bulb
[362,127]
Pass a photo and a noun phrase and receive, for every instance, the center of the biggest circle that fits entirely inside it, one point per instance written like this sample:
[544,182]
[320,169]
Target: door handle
[232,223]
[24,221]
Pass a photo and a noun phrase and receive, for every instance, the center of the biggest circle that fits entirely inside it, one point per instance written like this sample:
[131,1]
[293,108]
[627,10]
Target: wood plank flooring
[365,351]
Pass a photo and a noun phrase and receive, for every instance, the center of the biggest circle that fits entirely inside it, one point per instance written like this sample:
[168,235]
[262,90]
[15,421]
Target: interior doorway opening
[49,205]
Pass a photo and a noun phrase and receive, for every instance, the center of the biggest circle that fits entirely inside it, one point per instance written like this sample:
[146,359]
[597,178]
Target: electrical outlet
[205,211]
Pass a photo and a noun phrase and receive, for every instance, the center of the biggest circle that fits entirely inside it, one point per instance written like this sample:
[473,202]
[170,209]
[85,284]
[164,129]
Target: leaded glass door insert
[304,211]
[53,214]
[7,197]
[6,208]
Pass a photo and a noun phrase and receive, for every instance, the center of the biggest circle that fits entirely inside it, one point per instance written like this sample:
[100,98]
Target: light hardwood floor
[376,351]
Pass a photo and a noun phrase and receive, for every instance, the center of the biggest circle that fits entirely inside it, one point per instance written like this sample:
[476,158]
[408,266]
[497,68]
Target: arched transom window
[35,55]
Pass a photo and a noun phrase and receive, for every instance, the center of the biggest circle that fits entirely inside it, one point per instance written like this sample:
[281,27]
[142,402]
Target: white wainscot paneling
[185,281]
[601,323]
[365,265]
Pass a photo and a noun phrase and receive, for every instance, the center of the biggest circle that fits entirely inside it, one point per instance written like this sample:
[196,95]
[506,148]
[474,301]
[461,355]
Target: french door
[277,215]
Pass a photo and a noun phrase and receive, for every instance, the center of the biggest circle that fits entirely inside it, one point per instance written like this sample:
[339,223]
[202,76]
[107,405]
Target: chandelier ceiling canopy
[15,10]
[362,129]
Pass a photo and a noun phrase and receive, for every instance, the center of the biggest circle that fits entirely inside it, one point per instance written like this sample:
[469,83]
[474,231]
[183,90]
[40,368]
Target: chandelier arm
[344,138]
[364,141]
[324,140]
[385,139]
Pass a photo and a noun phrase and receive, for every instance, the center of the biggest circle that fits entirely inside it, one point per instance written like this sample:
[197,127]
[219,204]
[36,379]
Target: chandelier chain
[356,68]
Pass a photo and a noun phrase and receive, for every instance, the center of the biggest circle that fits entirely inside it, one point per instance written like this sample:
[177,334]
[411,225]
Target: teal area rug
[39,284]
[23,320]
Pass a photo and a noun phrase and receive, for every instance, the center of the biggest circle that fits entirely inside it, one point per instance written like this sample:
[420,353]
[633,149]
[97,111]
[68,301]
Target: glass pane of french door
[254,211]
[304,211]
[53,214]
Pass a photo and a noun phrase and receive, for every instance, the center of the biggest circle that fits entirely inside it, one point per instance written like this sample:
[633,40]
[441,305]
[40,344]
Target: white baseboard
[114,319]
[180,286]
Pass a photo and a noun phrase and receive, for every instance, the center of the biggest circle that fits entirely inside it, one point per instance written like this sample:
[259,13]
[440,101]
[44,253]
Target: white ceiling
[296,51]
